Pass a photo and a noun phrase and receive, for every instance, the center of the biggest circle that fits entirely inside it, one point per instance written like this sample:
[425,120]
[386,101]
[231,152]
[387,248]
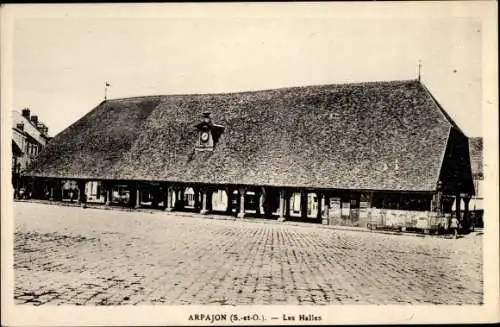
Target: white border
[484,11]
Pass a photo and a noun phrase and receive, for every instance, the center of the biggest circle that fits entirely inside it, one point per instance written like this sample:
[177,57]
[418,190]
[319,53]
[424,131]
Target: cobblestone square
[70,255]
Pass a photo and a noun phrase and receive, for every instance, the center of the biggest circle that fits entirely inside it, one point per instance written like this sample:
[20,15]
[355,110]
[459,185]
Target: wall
[388,218]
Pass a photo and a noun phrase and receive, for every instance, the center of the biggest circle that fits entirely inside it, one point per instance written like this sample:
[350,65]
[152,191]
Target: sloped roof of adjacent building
[476,156]
[369,136]
[30,130]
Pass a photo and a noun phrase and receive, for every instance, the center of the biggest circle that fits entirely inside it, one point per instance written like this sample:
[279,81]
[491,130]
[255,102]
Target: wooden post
[319,197]
[105,195]
[179,197]
[204,201]
[229,195]
[167,205]
[35,192]
[132,201]
[303,204]
[182,197]
[154,190]
[82,198]
[109,193]
[326,217]
[286,206]
[282,206]
[265,202]
[210,193]
[439,198]
[260,205]
[59,190]
[52,187]
[458,203]
[196,198]
[137,197]
[467,220]
[241,213]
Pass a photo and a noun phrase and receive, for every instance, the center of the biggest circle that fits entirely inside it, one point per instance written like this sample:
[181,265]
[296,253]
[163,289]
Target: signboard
[334,207]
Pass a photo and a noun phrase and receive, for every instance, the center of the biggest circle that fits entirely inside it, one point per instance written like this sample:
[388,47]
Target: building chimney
[41,127]
[20,126]
[44,129]
[34,119]
[26,113]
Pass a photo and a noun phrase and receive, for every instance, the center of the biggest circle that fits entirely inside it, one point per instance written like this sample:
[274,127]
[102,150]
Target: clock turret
[208,133]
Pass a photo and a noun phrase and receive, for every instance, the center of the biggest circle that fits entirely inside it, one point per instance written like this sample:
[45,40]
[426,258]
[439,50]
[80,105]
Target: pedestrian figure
[454,227]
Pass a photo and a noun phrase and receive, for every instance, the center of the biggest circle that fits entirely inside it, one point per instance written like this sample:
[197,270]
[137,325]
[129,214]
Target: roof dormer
[208,133]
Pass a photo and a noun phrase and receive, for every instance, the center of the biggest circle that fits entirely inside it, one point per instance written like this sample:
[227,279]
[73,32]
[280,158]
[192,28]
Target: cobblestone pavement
[67,255]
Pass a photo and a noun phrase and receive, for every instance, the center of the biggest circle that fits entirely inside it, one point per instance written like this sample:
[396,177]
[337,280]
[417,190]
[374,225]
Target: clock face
[204,136]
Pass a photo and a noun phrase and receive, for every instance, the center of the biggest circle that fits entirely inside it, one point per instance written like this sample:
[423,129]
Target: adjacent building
[476,155]
[378,154]
[29,137]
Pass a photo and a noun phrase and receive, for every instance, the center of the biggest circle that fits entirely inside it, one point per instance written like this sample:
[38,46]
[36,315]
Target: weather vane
[106,90]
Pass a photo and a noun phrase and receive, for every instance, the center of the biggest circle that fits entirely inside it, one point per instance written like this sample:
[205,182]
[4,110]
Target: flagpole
[419,69]
[106,90]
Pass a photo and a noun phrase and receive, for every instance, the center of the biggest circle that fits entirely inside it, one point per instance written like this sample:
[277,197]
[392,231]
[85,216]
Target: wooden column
[467,220]
[319,196]
[439,198]
[204,201]
[137,197]
[282,206]
[109,193]
[241,213]
[177,193]
[168,198]
[182,197]
[303,204]
[229,194]
[458,203]
[104,189]
[155,192]
[52,186]
[196,198]
[265,203]
[287,196]
[326,217]
[35,193]
[133,195]
[82,198]
[179,197]
[58,191]
[260,203]
[210,193]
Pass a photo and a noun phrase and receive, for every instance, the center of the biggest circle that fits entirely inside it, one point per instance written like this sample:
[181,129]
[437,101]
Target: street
[71,255]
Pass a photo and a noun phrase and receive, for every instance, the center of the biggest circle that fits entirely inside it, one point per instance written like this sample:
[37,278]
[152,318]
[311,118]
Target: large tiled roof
[370,136]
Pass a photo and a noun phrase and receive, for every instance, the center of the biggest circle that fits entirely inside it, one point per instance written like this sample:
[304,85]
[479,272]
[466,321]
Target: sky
[60,63]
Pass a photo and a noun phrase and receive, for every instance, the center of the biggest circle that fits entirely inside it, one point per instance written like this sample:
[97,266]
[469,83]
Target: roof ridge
[267,89]
[441,109]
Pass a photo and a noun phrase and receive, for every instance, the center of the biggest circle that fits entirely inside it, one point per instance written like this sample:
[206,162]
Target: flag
[107,84]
